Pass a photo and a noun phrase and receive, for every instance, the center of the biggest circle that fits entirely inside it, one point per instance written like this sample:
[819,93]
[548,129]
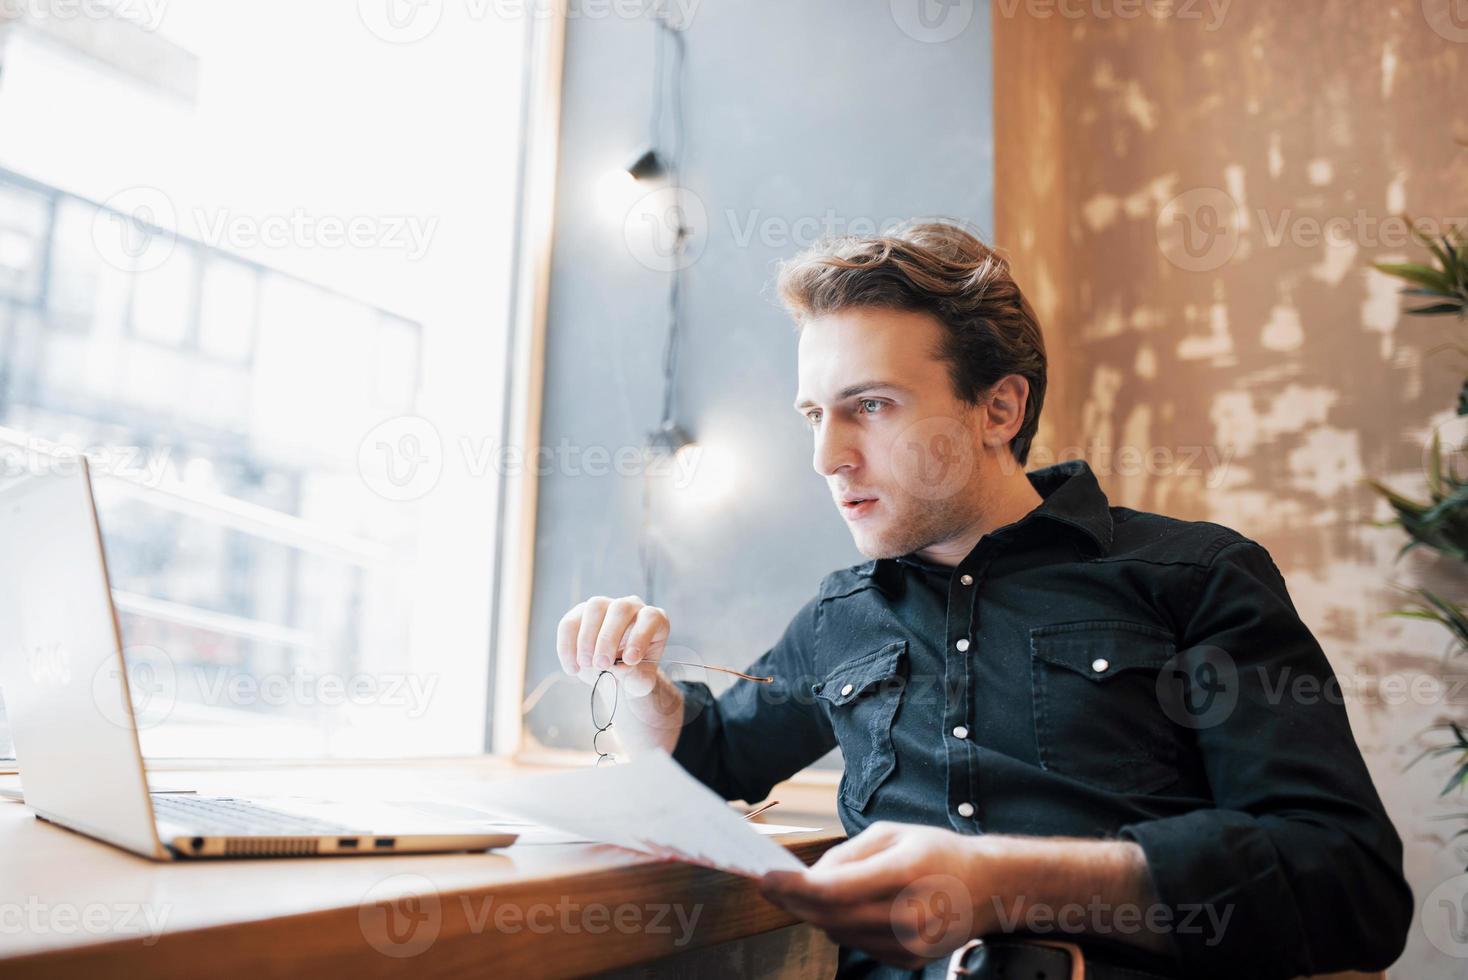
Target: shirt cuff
[1229,906]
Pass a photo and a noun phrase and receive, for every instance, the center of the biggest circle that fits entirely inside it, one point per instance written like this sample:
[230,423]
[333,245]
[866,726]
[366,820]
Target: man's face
[898,450]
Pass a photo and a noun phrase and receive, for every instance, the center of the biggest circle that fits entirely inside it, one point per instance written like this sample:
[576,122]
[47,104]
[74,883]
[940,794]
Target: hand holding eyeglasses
[625,636]
[617,645]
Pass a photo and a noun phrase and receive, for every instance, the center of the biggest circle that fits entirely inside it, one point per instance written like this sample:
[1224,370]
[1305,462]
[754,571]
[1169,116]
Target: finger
[874,933]
[592,613]
[566,631]
[878,837]
[775,884]
[634,682]
[872,917]
[880,876]
[648,636]
[609,639]
[638,681]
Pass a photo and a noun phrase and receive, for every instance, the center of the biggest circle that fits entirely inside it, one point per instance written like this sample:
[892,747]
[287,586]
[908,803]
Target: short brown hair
[939,268]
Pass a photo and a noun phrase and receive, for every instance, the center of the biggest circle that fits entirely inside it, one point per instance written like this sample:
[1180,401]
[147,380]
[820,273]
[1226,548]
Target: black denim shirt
[1100,672]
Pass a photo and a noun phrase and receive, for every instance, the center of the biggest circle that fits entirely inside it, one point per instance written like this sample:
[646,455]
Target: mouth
[855,508]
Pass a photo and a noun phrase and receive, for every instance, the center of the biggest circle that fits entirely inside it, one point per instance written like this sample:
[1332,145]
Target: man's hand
[901,892]
[593,636]
[906,893]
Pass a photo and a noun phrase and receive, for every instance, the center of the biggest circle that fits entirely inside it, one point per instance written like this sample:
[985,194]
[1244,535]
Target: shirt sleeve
[753,735]
[1298,852]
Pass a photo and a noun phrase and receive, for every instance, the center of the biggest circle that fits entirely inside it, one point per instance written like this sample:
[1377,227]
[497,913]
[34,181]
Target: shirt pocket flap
[851,679]
[1103,650]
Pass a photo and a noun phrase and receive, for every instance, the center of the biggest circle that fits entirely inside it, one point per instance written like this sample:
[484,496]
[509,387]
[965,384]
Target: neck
[1004,501]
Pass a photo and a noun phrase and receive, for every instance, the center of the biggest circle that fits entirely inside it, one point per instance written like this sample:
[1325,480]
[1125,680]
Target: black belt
[1013,959]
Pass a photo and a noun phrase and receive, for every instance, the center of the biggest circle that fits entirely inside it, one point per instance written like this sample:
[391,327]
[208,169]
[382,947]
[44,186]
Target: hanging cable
[668,76]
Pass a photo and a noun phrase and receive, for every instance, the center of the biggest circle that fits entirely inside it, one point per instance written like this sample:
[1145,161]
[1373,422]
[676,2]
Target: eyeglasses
[723,670]
[602,714]
[601,718]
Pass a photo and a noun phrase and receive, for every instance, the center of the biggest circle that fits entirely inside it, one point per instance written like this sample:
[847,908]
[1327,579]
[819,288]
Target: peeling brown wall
[1265,367]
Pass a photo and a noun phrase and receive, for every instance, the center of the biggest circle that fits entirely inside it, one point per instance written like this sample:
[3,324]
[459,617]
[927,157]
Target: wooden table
[70,906]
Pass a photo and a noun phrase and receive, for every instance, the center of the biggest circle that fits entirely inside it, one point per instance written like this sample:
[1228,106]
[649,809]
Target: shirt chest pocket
[1097,713]
[862,697]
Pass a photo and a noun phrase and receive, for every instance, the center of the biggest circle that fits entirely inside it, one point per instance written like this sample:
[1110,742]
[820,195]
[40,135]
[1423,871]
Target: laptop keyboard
[213,815]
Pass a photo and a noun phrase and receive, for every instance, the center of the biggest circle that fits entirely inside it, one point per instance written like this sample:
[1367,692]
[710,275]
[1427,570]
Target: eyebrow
[851,391]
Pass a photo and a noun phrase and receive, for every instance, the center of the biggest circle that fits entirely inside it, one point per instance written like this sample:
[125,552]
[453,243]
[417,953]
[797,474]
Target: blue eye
[870,401]
[813,418]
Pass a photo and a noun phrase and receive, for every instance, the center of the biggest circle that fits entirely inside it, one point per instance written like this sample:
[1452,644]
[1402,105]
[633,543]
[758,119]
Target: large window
[255,259]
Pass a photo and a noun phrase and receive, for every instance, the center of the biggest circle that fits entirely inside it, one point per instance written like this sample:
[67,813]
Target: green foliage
[1457,745]
[1444,282]
[1433,607]
[1440,523]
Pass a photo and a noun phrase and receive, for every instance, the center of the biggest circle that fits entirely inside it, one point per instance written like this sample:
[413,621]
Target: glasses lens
[601,742]
[603,700]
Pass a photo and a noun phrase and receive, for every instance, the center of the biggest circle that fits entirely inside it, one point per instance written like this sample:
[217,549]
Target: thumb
[640,679]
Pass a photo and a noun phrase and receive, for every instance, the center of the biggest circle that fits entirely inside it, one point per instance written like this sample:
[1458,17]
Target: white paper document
[649,804]
[532,833]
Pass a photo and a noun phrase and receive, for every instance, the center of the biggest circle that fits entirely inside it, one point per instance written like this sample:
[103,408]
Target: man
[1061,720]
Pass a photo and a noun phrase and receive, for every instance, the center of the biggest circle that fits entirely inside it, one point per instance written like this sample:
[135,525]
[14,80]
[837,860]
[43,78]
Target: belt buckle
[957,971]
[1077,958]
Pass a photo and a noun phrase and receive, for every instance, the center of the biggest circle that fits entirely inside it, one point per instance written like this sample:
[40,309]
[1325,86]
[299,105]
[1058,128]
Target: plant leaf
[1459,775]
[1419,274]
[1442,251]
[1435,466]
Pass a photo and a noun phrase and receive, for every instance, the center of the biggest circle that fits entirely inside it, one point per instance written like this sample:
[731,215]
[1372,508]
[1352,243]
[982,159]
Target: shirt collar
[1071,496]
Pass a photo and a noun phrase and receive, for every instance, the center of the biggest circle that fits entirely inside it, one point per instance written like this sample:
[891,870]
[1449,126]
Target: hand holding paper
[649,804]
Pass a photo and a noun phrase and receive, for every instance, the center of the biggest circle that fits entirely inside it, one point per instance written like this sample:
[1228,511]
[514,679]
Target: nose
[835,449]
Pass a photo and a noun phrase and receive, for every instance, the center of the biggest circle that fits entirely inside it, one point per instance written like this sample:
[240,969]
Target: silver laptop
[76,739]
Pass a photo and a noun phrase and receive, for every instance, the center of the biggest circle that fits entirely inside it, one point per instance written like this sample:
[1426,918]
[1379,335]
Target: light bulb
[616,191]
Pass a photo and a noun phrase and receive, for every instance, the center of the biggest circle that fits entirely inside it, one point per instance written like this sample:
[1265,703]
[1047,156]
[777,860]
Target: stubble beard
[918,524]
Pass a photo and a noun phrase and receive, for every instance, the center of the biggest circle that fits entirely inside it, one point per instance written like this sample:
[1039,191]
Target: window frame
[524,387]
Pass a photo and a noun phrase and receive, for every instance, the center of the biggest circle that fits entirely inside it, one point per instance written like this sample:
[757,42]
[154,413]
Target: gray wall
[793,110]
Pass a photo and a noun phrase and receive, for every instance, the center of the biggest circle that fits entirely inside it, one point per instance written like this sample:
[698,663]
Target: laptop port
[384,842]
[346,842]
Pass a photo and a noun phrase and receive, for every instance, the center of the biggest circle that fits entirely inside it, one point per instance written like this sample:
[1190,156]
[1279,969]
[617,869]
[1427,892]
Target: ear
[1004,410]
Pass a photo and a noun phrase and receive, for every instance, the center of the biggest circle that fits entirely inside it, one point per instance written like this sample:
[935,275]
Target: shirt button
[1100,665]
[967,580]
[962,645]
[965,809]
[846,690]
[960,732]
